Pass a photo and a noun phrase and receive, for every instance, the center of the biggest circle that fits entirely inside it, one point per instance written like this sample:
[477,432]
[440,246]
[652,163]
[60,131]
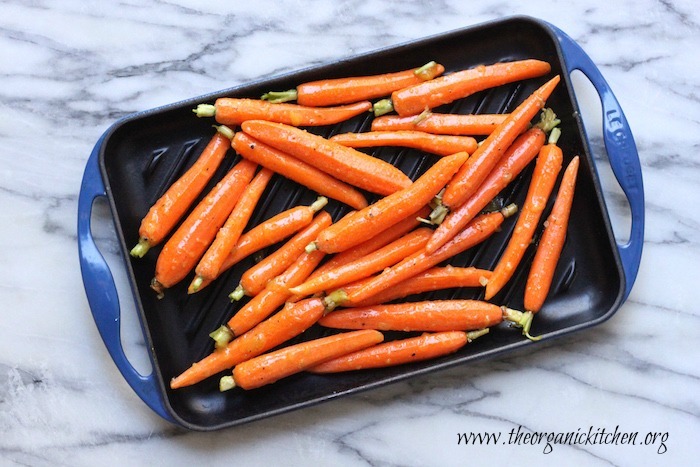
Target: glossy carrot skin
[551,243]
[436,278]
[189,242]
[228,235]
[476,231]
[374,243]
[544,177]
[367,265]
[346,164]
[269,232]
[441,145]
[235,111]
[389,210]
[433,315]
[358,88]
[255,279]
[397,352]
[172,205]
[516,158]
[297,170]
[441,124]
[289,322]
[448,88]
[275,293]
[271,367]
[475,171]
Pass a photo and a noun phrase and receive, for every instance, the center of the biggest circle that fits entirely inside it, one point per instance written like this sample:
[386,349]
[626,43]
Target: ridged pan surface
[145,153]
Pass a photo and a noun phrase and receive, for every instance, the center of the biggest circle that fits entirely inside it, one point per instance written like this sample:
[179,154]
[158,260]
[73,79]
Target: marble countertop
[69,69]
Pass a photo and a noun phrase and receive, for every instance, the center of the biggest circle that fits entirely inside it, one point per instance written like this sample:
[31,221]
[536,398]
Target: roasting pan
[136,158]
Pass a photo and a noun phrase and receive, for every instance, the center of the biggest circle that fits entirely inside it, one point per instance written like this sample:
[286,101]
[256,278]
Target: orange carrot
[346,164]
[273,366]
[367,265]
[448,88]
[372,244]
[347,90]
[467,181]
[189,242]
[289,322]
[209,266]
[549,249]
[172,205]
[431,315]
[436,278]
[548,165]
[441,145]
[441,124]
[389,210]
[255,278]
[275,293]
[398,352]
[297,170]
[474,233]
[234,111]
[516,158]
[474,172]
[269,232]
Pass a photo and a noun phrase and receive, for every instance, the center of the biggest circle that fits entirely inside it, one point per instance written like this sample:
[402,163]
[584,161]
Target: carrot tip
[277,97]
[509,210]
[158,287]
[140,249]
[471,335]
[311,247]
[319,204]
[237,294]
[427,71]
[225,131]
[226,383]
[222,336]
[382,107]
[205,110]
[195,285]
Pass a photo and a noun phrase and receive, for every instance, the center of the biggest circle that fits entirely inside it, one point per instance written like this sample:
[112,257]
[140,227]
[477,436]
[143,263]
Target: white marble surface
[68,69]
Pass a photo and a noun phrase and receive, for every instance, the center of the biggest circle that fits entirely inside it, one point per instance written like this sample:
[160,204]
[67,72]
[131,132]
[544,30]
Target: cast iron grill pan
[145,153]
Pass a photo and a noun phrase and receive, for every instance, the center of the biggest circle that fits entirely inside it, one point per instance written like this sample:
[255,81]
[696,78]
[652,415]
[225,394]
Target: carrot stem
[280,96]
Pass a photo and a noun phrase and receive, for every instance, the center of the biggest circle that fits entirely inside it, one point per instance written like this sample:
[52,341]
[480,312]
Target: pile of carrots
[349,275]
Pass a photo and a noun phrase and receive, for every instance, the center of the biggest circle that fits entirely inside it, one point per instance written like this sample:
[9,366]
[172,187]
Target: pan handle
[102,293]
[621,149]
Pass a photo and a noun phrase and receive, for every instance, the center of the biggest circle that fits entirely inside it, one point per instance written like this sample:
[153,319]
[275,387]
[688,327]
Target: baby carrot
[549,249]
[441,145]
[474,233]
[441,124]
[398,352]
[172,205]
[547,167]
[389,210]
[209,266]
[289,322]
[475,171]
[430,315]
[189,242]
[273,366]
[234,111]
[297,170]
[448,88]
[516,158]
[347,90]
[367,265]
[346,164]
[436,278]
[255,278]
[269,232]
